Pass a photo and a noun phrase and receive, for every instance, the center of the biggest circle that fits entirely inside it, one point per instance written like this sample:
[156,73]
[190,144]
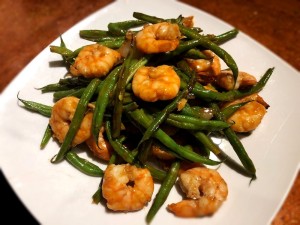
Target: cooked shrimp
[206,191]
[226,81]
[210,66]
[156,83]
[61,117]
[126,187]
[103,150]
[94,61]
[156,38]
[249,116]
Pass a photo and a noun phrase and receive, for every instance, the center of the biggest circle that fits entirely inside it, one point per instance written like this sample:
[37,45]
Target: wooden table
[27,27]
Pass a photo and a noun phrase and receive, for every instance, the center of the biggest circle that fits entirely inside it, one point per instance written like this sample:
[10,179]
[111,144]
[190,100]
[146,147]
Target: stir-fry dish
[146,98]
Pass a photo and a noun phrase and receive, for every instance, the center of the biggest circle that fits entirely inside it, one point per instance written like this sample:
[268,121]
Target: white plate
[59,194]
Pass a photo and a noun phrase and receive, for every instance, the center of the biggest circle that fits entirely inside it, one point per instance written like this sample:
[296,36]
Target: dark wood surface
[28,26]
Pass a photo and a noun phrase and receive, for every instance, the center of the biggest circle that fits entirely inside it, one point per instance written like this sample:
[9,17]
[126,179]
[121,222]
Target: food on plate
[147,97]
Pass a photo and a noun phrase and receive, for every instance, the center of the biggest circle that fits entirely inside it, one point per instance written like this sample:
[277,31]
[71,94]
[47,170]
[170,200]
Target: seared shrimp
[156,38]
[103,150]
[249,116]
[156,83]
[94,61]
[210,66]
[126,187]
[61,117]
[226,81]
[206,191]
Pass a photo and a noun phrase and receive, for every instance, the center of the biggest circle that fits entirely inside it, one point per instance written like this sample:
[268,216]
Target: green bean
[130,107]
[97,196]
[107,39]
[222,38]
[76,121]
[114,44]
[196,111]
[66,84]
[231,163]
[83,165]
[163,191]
[67,54]
[192,123]
[75,81]
[160,118]
[231,109]
[235,143]
[46,137]
[194,53]
[209,95]
[120,28]
[150,19]
[40,108]
[104,95]
[206,141]
[135,66]
[120,91]
[183,47]
[145,120]
[71,92]
[117,146]
[93,33]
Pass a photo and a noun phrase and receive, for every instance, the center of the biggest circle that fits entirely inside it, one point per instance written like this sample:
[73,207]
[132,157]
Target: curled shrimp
[210,66]
[103,150]
[156,38]
[225,80]
[250,115]
[156,83]
[61,117]
[94,61]
[206,191]
[126,187]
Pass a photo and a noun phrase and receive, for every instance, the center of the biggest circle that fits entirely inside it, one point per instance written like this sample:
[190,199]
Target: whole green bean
[120,91]
[222,38]
[163,191]
[236,143]
[206,141]
[192,123]
[104,95]
[46,137]
[40,108]
[120,28]
[114,44]
[71,92]
[76,121]
[83,165]
[120,149]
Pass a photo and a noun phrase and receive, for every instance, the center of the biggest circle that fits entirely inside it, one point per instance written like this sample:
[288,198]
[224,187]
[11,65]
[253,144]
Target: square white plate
[59,194]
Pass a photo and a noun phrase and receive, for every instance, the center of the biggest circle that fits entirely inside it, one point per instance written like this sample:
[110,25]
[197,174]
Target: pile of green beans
[116,108]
